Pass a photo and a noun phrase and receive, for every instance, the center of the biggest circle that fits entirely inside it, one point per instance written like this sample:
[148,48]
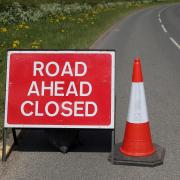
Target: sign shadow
[37,140]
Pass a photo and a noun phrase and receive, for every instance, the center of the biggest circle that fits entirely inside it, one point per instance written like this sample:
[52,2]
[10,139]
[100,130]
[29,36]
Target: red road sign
[60,89]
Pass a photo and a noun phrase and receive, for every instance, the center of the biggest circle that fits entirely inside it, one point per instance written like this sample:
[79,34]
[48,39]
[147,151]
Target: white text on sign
[59,89]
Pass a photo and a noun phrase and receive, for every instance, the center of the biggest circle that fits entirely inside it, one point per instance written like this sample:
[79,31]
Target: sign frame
[89,51]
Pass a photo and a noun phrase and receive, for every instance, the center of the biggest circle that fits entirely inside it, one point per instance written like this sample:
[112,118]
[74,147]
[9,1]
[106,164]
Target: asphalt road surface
[154,35]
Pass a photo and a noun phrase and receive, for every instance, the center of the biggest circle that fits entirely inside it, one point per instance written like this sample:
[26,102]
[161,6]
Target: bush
[16,12]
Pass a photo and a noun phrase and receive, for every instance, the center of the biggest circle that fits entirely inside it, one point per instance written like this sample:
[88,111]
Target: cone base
[137,154]
[155,159]
[137,140]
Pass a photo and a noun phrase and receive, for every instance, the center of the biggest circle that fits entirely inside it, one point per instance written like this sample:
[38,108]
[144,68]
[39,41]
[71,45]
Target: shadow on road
[89,141]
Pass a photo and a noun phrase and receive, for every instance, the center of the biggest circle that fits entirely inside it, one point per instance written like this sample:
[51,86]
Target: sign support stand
[113,141]
[4,144]
[113,131]
[14,136]
[4,155]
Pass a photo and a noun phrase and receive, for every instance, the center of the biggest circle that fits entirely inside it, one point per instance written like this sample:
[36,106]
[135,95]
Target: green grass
[78,31]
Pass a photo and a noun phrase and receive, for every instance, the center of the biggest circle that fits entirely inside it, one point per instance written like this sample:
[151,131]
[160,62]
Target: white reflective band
[137,112]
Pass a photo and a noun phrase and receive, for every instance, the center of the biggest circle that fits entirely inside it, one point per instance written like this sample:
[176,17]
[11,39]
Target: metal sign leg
[113,142]
[14,136]
[4,144]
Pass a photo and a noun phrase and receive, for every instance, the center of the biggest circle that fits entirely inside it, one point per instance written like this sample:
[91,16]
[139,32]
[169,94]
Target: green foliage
[16,12]
[37,2]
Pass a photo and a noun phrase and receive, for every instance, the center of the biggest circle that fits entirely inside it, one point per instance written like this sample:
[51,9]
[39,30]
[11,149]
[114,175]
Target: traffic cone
[137,147]
[137,137]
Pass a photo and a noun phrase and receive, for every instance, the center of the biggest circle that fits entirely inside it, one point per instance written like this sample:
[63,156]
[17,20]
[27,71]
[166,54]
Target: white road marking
[174,42]
[160,20]
[163,27]
[165,30]
[161,11]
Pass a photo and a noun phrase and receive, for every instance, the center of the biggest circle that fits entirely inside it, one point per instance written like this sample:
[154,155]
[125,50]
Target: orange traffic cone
[137,147]
[137,138]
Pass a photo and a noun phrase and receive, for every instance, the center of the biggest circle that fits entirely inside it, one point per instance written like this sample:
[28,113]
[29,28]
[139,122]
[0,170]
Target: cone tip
[137,60]
[137,71]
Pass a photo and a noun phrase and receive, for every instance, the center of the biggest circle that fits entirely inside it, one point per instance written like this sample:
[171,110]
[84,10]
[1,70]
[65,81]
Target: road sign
[60,89]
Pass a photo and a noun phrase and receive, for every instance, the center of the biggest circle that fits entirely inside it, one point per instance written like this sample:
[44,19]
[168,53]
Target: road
[154,35]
